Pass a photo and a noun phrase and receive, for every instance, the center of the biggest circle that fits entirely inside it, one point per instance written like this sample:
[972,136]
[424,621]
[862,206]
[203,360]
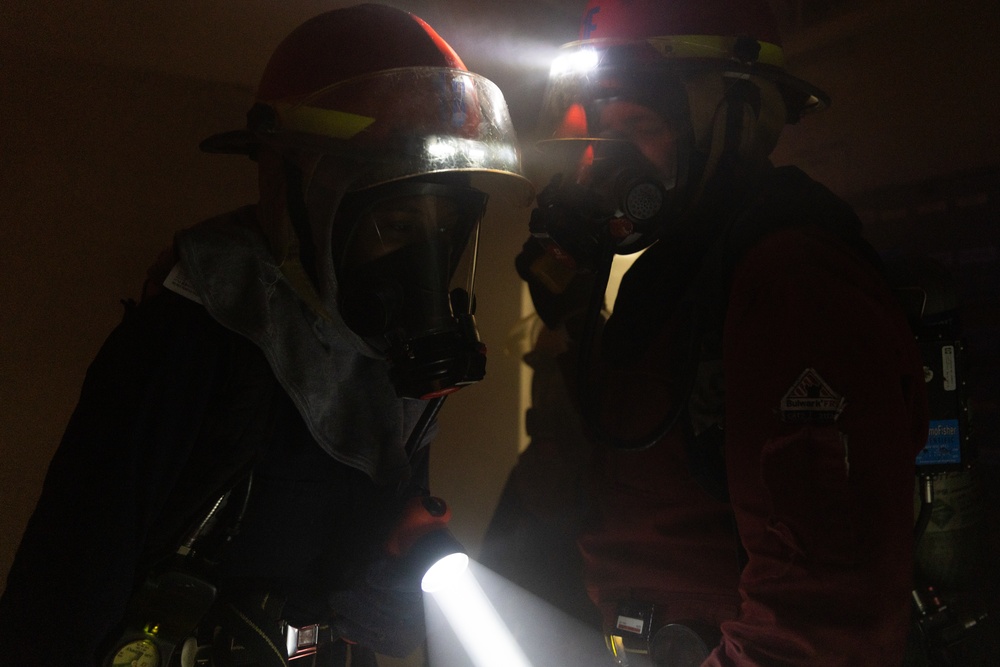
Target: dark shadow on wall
[99,168]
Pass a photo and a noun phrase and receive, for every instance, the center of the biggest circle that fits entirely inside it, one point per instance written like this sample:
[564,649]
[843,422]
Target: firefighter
[751,409]
[256,429]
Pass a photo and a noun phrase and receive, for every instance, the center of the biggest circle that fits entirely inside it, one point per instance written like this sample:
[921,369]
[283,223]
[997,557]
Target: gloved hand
[384,611]
[557,291]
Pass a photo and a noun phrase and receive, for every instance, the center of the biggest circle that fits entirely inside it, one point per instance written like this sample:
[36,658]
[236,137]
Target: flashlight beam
[477,625]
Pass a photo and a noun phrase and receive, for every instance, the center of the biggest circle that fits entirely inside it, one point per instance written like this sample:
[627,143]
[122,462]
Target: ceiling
[228,41]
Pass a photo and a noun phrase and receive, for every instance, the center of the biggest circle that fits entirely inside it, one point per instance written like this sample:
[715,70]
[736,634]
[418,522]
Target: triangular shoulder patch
[811,399]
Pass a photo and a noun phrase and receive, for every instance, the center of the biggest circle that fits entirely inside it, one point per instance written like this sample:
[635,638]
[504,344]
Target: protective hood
[340,386]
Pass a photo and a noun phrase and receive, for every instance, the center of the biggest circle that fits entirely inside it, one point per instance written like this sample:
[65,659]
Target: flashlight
[447,561]
[423,541]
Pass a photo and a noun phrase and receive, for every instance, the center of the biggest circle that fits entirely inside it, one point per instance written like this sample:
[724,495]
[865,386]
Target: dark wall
[98,167]
[915,93]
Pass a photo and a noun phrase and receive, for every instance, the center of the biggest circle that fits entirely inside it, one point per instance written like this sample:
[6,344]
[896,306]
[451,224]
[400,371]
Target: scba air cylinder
[951,552]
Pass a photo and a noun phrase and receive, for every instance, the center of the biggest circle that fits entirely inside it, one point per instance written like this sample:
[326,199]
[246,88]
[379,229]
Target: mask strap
[296,202]
[299,266]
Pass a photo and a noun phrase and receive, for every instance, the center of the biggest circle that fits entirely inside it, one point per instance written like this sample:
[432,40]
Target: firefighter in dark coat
[755,401]
[255,431]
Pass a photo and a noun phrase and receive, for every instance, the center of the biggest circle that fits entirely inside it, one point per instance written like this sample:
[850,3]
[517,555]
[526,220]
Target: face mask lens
[402,222]
[638,136]
[409,253]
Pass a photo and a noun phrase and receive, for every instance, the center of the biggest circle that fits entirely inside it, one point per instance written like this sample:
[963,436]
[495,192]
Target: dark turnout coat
[777,513]
[174,410]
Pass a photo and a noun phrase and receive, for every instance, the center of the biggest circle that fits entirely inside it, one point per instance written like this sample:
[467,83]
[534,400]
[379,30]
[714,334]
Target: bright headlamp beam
[574,62]
[471,616]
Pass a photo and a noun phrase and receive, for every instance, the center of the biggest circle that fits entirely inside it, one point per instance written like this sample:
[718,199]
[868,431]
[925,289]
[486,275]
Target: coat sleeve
[822,488]
[140,412]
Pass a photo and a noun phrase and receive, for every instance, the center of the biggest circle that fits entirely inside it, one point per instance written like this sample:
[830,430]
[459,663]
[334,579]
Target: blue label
[943,443]
[588,22]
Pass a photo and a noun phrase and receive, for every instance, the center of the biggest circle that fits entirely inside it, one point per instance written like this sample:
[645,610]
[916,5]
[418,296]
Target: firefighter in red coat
[754,403]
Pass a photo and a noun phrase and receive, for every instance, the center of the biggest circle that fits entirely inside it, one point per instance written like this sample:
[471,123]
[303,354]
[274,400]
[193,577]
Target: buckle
[302,642]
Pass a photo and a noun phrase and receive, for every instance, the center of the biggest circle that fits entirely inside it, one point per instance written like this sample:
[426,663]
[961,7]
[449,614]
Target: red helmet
[641,19]
[738,37]
[645,49]
[405,107]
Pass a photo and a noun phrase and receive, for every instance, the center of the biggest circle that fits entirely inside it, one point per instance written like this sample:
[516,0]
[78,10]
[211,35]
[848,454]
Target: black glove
[557,291]
[384,611]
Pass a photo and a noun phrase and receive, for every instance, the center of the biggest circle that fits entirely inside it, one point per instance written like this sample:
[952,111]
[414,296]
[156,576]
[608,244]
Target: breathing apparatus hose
[926,507]
[423,423]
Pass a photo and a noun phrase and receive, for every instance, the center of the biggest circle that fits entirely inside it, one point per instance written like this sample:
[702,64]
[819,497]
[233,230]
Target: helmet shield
[399,123]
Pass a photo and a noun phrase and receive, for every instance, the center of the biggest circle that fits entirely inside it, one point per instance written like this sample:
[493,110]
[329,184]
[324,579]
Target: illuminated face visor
[405,122]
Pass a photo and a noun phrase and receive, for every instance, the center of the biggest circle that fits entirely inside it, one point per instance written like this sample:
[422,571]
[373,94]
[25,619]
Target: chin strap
[299,264]
[731,133]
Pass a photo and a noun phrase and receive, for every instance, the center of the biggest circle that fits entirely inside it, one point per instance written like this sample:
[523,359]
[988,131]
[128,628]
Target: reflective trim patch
[810,399]
[629,624]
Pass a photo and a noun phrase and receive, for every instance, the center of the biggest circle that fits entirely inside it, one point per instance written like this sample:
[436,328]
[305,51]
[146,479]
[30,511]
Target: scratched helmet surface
[407,107]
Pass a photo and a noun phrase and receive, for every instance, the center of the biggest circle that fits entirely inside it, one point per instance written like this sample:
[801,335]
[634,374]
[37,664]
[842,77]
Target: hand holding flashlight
[384,610]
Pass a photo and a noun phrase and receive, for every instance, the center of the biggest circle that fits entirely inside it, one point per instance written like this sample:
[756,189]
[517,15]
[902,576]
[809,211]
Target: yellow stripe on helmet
[713,46]
[323,122]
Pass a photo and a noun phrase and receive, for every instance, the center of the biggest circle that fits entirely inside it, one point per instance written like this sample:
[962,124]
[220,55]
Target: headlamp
[576,61]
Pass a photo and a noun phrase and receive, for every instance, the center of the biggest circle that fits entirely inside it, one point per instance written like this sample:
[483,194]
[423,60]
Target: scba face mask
[617,199]
[406,269]
[618,139]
